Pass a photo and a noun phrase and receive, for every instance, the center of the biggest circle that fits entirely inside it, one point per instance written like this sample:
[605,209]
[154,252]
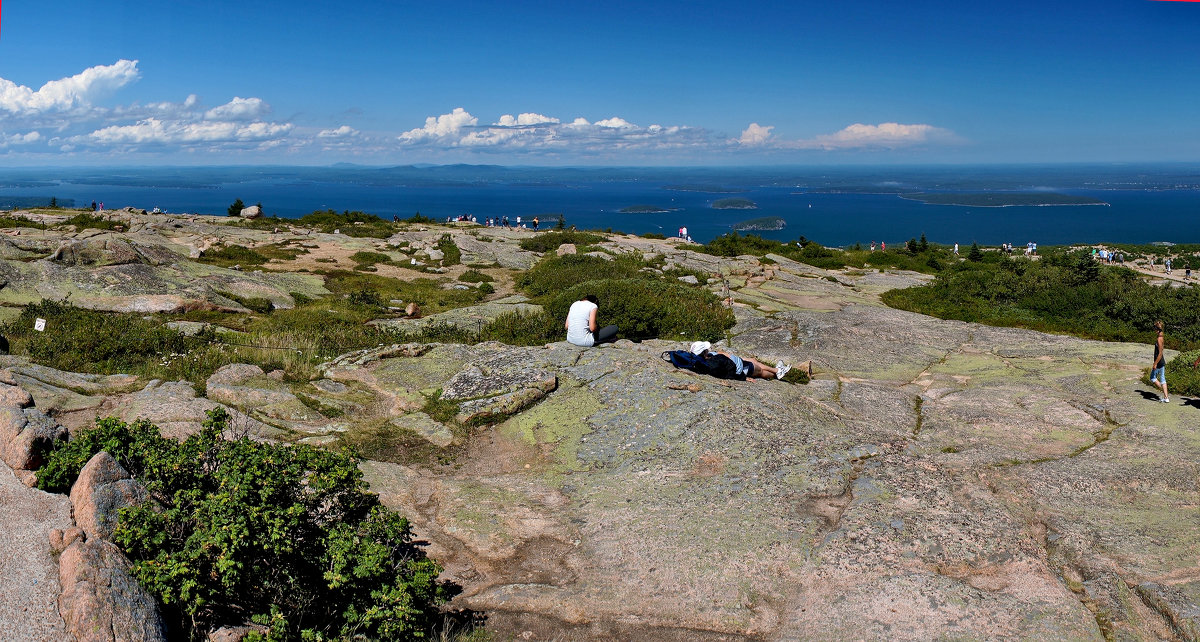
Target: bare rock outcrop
[26,435]
[100,601]
[253,211]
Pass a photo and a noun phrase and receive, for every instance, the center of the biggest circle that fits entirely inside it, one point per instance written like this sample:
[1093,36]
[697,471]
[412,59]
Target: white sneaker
[781,370]
[1166,400]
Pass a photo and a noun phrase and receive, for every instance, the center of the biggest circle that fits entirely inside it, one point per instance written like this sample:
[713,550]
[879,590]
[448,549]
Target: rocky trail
[936,479]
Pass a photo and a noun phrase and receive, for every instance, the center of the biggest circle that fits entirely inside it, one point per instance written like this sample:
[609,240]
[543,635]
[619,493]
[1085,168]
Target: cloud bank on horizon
[66,118]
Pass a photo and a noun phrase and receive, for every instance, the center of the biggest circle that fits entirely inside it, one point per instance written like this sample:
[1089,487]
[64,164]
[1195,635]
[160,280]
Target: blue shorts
[1159,374]
[744,368]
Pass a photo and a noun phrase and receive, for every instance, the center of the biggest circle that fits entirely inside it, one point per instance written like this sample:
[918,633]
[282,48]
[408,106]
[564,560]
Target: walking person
[582,327]
[1158,370]
[535,223]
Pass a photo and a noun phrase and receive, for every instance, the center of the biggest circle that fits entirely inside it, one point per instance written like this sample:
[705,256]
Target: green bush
[1182,378]
[283,536]
[475,276]
[1062,292]
[554,274]
[649,309]
[452,255]
[549,241]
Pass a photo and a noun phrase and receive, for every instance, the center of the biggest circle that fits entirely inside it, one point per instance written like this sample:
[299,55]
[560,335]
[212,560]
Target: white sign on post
[39,325]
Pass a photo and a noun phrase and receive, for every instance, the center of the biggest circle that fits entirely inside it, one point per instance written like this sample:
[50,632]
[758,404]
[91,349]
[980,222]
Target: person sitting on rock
[743,366]
[581,324]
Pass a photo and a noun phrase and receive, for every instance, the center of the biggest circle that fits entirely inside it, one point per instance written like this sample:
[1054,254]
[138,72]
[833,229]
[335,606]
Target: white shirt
[578,324]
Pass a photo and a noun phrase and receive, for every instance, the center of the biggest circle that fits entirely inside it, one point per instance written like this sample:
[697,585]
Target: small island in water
[734,204]
[645,209]
[1001,199]
[762,224]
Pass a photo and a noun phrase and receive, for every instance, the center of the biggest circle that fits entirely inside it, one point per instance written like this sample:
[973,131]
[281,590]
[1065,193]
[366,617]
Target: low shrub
[284,536]
[227,255]
[1182,378]
[85,221]
[549,241]
[475,276]
[649,309]
[80,340]
[356,223]
[554,274]
[452,255]
[365,258]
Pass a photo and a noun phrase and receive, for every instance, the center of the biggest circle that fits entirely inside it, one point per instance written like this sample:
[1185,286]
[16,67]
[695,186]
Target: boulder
[435,255]
[253,211]
[26,435]
[566,248]
[103,488]
[14,397]
[100,601]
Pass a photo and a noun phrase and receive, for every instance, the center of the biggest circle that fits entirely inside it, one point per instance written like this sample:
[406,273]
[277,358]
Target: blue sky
[626,83]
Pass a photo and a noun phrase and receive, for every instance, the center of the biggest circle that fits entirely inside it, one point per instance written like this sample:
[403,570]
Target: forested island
[734,204]
[1001,199]
[645,209]
[761,224]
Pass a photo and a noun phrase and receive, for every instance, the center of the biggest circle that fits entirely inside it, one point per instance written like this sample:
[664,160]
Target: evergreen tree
[237,207]
[975,254]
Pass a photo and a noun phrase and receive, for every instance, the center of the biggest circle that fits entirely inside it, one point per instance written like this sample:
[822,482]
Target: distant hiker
[1158,369]
[582,327]
[872,246]
[956,249]
[535,223]
[518,221]
[683,233]
[743,367]
[93,206]
[883,246]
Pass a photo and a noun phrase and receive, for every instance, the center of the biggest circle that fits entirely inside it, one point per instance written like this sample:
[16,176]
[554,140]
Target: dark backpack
[713,364]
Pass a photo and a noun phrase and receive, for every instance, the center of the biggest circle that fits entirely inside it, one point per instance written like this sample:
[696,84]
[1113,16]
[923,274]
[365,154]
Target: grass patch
[230,255]
[88,221]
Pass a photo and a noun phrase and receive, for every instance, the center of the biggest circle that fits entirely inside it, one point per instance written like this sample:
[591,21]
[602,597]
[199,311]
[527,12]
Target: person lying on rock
[581,324]
[743,366]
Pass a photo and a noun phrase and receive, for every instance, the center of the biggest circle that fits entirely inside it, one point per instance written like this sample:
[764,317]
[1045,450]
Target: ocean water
[1141,210]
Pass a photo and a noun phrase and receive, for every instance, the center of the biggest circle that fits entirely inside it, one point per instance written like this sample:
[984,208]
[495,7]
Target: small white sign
[39,325]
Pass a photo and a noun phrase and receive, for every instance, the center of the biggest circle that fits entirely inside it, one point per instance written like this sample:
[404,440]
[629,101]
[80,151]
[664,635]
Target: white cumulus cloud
[7,140]
[614,123]
[755,134]
[444,127]
[525,120]
[239,109]
[881,135]
[345,131]
[155,131]
[79,90]
[857,136]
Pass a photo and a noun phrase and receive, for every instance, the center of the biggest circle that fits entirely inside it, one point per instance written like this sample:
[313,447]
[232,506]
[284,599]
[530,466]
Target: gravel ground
[28,574]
